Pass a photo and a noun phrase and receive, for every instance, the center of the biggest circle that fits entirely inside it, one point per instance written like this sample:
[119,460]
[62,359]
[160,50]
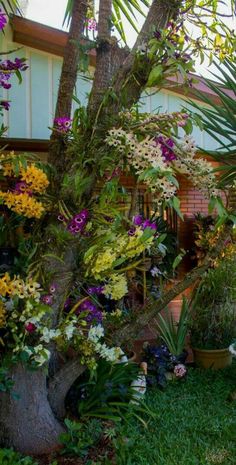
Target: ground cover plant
[65,308]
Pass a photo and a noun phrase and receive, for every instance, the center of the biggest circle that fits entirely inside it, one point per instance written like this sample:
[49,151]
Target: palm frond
[10,6]
[121,8]
[219,119]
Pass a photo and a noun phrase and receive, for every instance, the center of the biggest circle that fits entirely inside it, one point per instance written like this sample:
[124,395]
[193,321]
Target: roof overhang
[44,38]
[52,40]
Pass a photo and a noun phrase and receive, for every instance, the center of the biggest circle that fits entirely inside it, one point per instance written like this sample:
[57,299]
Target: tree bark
[132,77]
[28,423]
[109,57]
[60,384]
[102,76]
[67,84]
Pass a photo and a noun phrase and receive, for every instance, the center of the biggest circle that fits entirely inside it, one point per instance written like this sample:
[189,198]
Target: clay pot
[215,359]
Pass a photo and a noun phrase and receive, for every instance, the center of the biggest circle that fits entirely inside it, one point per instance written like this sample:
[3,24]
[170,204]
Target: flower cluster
[62,125]
[156,158]
[198,169]
[111,354]
[92,313]
[22,204]
[116,287]
[166,144]
[160,122]
[78,222]
[138,220]
[47,299]
[8,68]
[144,156]
[24,289]
[30,180]
[161,363]
[102,260]
[35,178]
[3,19]
[92,24]
[180,370]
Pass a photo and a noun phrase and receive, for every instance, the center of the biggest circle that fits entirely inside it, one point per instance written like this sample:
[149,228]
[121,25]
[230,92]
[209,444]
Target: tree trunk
[132,77]
[67,85]
[28,423]
[60,384]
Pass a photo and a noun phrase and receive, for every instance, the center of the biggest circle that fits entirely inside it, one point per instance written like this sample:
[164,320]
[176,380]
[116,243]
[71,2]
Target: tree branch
[132,77]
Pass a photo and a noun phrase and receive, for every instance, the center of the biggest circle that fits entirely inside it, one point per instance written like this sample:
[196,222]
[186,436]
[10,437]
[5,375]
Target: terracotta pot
[132,356]
[214,359]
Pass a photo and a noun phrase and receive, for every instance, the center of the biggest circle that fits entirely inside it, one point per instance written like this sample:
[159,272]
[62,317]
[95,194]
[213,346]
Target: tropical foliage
[80,222]
[219,120]
[174,333]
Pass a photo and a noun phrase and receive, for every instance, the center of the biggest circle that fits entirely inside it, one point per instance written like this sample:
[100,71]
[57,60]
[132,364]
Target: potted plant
[173,333]
[212,320]
[167,361]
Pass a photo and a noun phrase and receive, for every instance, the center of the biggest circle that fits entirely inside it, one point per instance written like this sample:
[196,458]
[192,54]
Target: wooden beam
[45,38]
[26,145]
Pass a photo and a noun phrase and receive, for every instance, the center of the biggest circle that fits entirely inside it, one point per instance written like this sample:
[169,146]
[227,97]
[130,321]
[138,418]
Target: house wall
[33,101]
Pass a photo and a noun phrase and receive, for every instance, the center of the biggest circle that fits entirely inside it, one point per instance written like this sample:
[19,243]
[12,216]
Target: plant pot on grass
[212,319]
[215,359]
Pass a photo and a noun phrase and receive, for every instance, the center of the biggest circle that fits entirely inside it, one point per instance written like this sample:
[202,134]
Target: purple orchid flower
[149,224]
[22,187]
[137,220]
[94,314]
[3,19]
[62,125]
[166,145]
[5,104]
[95,290]
[47,299]
[78,222]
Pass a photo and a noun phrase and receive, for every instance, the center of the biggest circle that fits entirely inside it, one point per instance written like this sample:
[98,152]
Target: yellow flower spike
[117,287]
[4,285]
[8,169]
[2,315]
[35,178]
[22,204]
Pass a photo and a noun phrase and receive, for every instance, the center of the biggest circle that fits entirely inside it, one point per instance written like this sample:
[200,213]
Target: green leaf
[174,202]
[155,76]
[178,259]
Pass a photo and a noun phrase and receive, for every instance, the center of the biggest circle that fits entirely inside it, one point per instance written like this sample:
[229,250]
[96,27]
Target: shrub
[10,457]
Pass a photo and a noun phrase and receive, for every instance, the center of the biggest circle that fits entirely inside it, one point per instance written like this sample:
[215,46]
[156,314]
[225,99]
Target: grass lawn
[195,424]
